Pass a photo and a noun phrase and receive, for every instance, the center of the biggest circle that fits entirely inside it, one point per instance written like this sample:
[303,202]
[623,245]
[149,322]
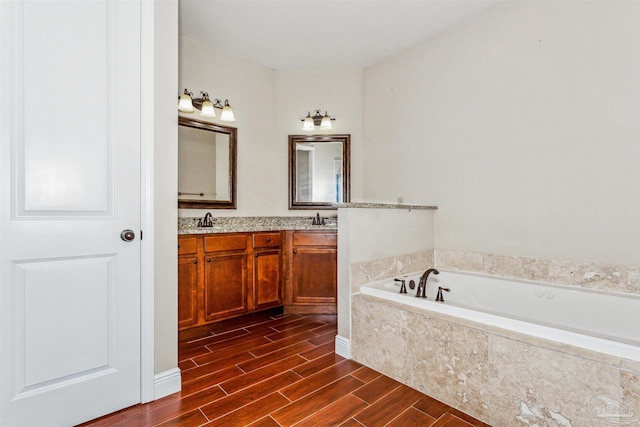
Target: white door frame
[147,104]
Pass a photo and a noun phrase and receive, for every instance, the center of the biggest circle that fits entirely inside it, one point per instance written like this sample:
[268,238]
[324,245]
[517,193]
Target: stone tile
[630,407]
[385,268]
[517,267]
[595,276]
[449,362]
[537,386]
[459,260]
[378,337]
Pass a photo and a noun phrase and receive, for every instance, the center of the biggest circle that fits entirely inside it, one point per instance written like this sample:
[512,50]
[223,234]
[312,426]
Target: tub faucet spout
[422,284]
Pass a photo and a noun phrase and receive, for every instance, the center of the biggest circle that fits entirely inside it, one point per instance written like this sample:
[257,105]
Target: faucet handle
[439,297]
[403,288]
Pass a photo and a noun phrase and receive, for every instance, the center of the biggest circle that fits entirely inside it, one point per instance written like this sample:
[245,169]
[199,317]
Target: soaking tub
[507,351]
[591,319]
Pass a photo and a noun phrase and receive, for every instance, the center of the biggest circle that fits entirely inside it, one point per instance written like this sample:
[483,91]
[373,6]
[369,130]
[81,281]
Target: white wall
[165,185]
[249,88]
[337,91]
[268,106]
[523,125]
[398,232]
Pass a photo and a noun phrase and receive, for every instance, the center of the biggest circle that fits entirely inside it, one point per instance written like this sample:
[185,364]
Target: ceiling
[287,34]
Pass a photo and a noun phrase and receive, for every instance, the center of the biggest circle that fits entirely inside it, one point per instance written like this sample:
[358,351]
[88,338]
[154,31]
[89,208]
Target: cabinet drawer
[266,240]
[315,239]
[234,242]
[187,245]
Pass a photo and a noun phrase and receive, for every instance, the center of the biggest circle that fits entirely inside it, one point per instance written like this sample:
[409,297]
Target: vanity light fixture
[207,107]
[317,120]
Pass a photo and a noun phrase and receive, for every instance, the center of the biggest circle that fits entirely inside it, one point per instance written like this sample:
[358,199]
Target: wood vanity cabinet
[225,276]
[267,270]
[221,276]
[312,272]
[188,282]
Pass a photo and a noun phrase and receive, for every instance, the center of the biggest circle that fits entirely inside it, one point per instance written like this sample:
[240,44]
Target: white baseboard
[166,383]
[343,347]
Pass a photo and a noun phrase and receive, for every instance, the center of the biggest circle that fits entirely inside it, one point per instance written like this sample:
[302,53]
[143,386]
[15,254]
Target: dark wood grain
[335,413]
[384,410]
[232,402]
[412,418]
[311,403]
[376,389]
[239,377]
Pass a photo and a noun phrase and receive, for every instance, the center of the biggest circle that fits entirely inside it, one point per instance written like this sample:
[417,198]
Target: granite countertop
[189,225]
[384,206]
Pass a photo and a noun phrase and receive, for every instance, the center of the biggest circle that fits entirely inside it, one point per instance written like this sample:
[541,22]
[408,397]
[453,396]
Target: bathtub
[509,352]
[599,321]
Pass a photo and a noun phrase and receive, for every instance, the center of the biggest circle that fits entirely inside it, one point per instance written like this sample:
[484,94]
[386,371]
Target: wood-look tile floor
[282,371]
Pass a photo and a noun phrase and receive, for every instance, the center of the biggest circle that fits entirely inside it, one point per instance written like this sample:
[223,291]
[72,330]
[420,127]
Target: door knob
[127,235]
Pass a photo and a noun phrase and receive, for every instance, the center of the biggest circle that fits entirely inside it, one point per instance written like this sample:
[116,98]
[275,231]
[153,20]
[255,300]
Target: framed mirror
[207,165]
[319,171]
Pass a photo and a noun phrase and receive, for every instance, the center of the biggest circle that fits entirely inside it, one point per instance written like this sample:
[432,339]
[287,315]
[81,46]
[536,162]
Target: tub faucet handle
[439,297]
[403,288]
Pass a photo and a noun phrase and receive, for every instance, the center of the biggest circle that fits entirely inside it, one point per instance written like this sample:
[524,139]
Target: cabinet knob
[295,251]
[195,261]
[208,259]
[256,255]
[268,239]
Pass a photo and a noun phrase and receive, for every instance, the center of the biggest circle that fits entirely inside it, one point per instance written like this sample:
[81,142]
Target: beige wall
[522,125]
[268,106]
[249,88]
[402,243]
[165,185]
[339,92]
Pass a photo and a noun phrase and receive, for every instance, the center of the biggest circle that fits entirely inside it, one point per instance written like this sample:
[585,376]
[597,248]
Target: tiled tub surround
[502,377]
[366,272]
[560,313]
[189,225]
[607,277]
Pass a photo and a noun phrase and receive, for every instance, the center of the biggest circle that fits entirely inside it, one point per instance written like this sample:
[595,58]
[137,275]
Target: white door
[70,184]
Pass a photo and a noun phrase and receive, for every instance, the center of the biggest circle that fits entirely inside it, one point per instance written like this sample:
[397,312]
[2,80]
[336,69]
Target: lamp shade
[208,110]
[227,113]
[185,105]
[308,122]
[326,122]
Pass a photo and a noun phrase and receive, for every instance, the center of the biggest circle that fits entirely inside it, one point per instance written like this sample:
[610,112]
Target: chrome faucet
[422,284]
[207,221]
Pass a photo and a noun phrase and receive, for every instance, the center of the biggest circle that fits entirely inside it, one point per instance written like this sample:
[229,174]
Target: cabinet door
[187,291]
[225,285]
[314,275]
[266,278]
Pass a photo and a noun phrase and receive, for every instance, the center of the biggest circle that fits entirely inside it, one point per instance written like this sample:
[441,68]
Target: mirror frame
[346,171]
[233,155]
